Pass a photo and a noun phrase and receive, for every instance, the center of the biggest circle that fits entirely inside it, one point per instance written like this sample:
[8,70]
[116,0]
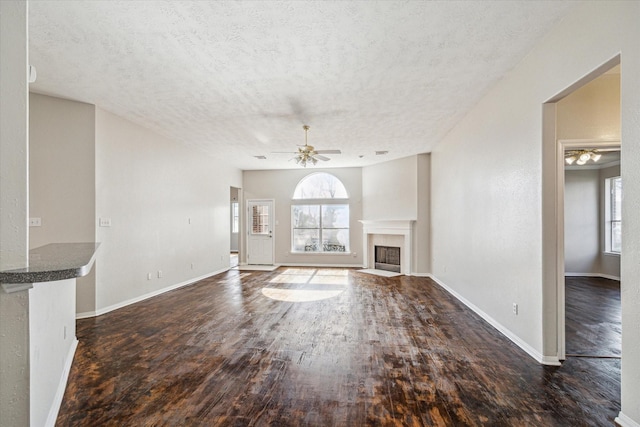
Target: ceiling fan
[307,153]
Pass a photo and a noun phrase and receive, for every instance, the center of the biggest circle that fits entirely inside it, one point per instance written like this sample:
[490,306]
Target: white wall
[401,190]
[62,178]
[487,214]
[582,221]
[52,326]
[169,208]
[280,185]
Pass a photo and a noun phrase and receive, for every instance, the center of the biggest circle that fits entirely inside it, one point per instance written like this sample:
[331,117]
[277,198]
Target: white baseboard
[545,360]
[604,276]
[113,307]
[305,264]
[62,385]
[422,275]
[625,421]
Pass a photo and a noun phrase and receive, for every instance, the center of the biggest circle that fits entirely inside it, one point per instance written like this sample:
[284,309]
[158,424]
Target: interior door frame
[562,146]
[248,202]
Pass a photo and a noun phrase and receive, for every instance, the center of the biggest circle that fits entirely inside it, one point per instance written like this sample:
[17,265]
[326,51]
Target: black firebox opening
[387,258]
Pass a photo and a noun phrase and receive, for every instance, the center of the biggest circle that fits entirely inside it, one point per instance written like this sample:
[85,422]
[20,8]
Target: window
[235,217]
[319,215]
[613,215]
[320,186]
[260,219]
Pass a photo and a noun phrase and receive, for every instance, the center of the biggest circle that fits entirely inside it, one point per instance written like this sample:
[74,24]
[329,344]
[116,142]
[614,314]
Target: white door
[260,232]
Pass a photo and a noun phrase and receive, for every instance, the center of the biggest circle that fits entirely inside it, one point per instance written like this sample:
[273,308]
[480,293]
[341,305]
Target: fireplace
[393,233]
[387,258]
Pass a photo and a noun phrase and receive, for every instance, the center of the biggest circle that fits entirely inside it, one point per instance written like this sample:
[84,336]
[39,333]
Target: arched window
[320,185]
[320,215]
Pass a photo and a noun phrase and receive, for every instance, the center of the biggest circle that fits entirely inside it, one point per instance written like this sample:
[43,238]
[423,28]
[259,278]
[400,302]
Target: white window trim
[607,217]
[321,202]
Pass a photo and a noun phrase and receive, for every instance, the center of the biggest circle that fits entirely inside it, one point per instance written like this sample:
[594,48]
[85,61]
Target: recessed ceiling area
[239,79]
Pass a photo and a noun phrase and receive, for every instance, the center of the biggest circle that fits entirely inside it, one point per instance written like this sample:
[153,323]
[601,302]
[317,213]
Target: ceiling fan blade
[319,157]
[329,151]
[284,152]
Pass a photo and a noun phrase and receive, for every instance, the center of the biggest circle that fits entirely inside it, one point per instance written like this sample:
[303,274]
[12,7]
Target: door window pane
[260,219]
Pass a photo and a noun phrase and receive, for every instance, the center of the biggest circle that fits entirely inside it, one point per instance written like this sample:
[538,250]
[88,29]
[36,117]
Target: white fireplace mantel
[402,228]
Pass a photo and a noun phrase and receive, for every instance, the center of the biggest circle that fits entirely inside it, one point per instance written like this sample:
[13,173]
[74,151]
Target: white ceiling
[239,79]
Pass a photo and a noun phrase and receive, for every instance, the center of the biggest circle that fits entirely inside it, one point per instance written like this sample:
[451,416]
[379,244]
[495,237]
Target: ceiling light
[581,157]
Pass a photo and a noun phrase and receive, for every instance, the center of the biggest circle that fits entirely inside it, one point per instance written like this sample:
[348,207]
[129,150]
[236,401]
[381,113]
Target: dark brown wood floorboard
[384,352]
[593,317]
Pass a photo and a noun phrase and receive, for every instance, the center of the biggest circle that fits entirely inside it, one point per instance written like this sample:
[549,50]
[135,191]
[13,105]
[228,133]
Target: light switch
[35,222]
[105,222]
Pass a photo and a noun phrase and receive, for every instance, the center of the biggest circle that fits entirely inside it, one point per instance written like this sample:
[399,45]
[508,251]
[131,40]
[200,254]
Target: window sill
[320,253]
[614,254]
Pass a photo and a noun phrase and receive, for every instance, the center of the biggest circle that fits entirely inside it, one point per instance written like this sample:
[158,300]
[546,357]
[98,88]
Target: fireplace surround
[397,233]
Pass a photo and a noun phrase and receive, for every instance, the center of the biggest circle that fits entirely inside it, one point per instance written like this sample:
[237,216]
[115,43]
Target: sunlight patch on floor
[304,285]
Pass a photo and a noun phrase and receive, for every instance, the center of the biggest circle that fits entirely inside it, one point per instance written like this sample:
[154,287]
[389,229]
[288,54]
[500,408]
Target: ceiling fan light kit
[307,154]
[581,156]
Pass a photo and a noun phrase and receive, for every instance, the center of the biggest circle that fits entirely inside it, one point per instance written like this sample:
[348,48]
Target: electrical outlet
[65,332]
[148,276]
[192,264]
[159,274]
[515,308]
[35,222]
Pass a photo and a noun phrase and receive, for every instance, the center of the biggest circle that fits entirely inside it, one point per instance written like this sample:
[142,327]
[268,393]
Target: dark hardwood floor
[265,349]
[593,317]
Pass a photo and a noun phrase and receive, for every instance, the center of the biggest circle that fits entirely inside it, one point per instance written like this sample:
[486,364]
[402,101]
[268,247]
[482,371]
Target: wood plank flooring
[320,347]
[594,317]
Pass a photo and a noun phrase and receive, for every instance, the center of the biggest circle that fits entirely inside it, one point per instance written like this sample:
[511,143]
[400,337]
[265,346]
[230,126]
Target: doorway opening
[582,122]
[234,227]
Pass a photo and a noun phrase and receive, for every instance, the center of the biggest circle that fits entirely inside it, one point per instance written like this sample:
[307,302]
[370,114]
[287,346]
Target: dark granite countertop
[55,261]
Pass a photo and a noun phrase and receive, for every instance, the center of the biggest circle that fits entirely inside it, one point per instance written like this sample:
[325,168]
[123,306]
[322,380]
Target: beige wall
[14,206]
[390,190]
[169,208]
[487,215]
[14,131]
[582,221]
[62,179]
[280,185]
[62,170]
[591,112]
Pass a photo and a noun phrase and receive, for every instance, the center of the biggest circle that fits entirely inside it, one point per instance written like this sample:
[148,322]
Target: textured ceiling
[239,79]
